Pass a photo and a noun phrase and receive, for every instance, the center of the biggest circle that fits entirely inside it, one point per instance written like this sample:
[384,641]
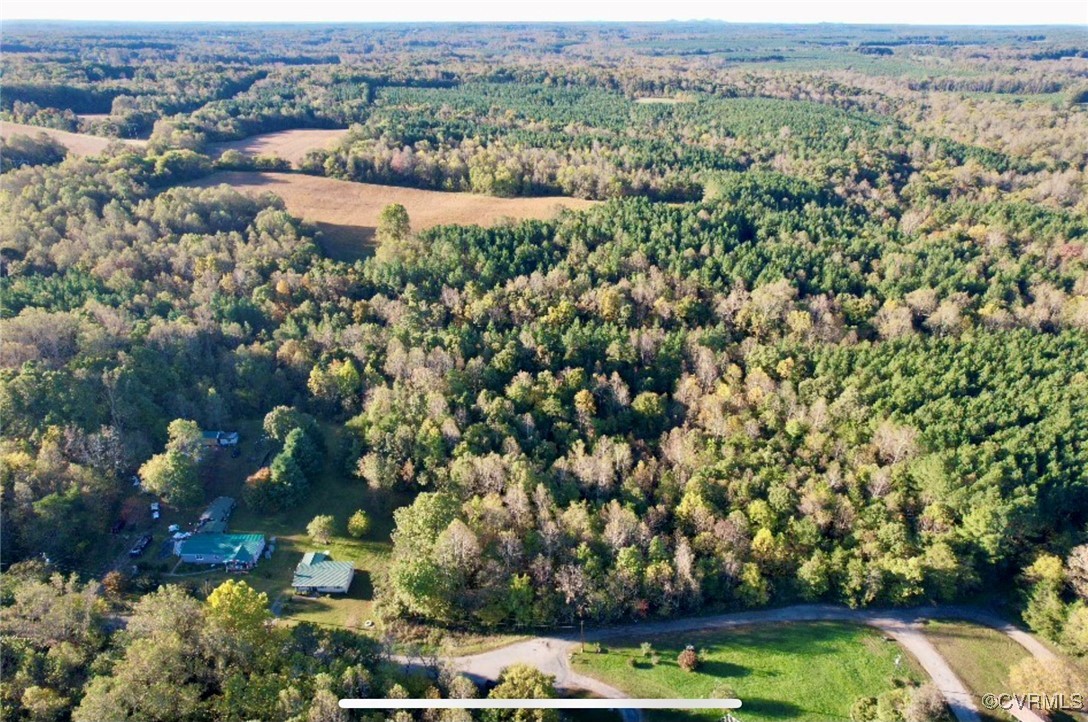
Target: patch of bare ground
[347,212]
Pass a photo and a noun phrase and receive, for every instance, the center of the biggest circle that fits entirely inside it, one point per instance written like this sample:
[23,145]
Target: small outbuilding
[221,438]
[215,517]
[317,574]
[235,551]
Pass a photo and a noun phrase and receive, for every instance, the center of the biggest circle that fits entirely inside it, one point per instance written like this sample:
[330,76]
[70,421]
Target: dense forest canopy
[826,338]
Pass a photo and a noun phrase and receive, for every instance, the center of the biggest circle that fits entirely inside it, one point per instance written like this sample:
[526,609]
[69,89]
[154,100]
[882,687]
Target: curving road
[551,655]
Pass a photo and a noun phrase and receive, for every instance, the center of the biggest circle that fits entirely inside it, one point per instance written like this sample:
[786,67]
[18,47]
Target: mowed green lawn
[804,671]
[335,492]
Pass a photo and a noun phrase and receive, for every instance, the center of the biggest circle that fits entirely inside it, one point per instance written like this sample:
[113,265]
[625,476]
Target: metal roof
[219,509]
[232,547]
[324,573]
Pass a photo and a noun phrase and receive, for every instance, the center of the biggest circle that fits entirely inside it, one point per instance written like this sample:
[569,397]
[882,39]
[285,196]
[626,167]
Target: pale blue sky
[958,12]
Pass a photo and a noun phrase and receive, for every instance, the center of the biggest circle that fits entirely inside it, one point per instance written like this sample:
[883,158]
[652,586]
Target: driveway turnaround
[551,655]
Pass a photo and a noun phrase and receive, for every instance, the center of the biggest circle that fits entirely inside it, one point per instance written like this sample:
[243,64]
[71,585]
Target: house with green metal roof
[235,551]
[317,574]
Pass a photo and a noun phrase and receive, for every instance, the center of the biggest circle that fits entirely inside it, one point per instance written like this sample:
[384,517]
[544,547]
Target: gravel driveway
[551,655]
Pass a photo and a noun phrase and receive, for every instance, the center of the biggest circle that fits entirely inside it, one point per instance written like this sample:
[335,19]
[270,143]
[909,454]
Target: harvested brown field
[347,213]
[76,143]
[290,145]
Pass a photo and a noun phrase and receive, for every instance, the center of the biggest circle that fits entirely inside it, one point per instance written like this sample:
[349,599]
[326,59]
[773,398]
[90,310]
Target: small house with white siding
[317,574]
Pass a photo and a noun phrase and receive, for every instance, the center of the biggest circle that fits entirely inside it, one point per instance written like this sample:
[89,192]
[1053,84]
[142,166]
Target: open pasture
[291,145]
[347,212]
[76,143]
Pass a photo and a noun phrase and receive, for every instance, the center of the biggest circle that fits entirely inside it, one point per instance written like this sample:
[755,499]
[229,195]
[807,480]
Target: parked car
[140,545]
[155,506]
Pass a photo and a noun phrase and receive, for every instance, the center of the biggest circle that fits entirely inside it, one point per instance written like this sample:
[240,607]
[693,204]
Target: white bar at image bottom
[628,703]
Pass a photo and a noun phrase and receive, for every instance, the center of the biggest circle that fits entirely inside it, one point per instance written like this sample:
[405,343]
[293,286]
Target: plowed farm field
[292,145]
[347,213]
[76,143]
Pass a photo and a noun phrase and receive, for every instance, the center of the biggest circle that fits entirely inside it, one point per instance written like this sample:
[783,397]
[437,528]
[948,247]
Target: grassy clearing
[76,143]
[347,213]
[803,671]
[416,638]
[291,145]
[463,644]
[665,101]
[336,493]
[981,657]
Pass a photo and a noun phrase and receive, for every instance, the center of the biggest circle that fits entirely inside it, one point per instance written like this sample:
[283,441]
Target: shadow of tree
[771,708]
[345,242]
[716,668]
[362,586]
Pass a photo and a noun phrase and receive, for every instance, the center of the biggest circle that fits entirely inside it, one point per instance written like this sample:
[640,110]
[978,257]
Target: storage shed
[220,438]
[215,517]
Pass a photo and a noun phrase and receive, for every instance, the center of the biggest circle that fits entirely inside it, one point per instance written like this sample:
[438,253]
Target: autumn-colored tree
[114,584]
[521,681]
[393,224]
[1055,680]
[359,524]
[321,528]
[688,659]
[238,605]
